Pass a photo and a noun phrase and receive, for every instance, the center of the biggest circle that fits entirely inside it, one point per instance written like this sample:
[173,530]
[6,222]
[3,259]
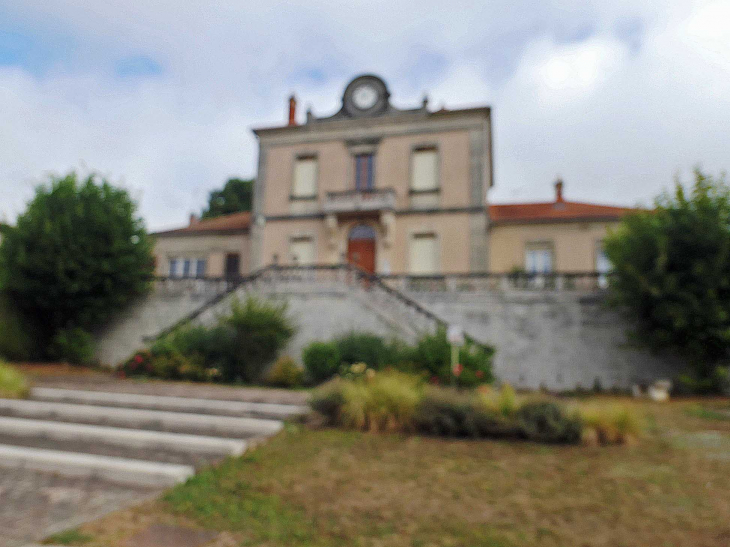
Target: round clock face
[365,97]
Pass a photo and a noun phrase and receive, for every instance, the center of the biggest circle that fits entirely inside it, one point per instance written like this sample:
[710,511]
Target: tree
[672,271]
[236,196]
[78,255]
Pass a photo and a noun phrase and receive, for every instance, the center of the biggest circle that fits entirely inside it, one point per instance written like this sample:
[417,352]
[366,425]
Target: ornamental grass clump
[610,424]
[385,401]
[13,384]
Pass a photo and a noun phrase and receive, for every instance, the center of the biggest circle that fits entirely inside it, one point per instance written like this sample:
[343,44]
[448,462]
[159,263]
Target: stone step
[174,404]
[115,441]
[203,424]
[119,470]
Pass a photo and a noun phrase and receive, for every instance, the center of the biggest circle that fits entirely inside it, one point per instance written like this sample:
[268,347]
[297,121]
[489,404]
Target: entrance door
[361,248]
[233,265]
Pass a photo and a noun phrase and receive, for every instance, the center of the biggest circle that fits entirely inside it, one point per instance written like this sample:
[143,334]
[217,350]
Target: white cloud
[615,121]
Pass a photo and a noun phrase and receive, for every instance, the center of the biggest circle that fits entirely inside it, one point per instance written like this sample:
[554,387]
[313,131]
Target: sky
[617,98]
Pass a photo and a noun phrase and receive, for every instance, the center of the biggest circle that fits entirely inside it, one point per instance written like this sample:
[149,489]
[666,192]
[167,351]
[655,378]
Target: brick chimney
[559,191]
[193,219]
[292,110]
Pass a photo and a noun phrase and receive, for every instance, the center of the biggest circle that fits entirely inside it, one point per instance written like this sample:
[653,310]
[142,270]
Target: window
[423,255]
[424,170]
[187,263]
[539,258]
[200,267]
[173,267]
[364,172]
[305,177]
[233,265]
[301,250]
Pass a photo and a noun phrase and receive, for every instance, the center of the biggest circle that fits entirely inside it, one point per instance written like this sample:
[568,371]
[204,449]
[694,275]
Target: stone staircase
[130,438]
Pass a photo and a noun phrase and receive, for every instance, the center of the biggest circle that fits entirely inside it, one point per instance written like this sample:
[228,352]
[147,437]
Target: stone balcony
[355,201]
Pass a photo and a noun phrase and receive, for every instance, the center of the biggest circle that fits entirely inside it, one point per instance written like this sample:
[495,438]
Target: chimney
[292,110]
[559,191]
[193,219]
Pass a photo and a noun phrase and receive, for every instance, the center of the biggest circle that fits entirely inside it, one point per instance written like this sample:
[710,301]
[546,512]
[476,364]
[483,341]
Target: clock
[364,96]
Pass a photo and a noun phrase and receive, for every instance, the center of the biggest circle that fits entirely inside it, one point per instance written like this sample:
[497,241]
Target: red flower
[458,369]
[479,374]
[138,359]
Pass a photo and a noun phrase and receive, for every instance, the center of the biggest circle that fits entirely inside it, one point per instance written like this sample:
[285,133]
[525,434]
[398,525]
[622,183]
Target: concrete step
[175,404]
[122,442]
[203,424]
[119,470]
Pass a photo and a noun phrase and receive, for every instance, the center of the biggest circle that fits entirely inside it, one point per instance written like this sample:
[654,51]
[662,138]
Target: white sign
[455,334]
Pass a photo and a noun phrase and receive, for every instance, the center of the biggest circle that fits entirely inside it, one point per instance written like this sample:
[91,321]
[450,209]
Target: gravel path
[34,505]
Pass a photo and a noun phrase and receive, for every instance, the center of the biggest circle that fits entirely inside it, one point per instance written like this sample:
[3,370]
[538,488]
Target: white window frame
[430,149]
[436,257]
[295,192]
[536,253]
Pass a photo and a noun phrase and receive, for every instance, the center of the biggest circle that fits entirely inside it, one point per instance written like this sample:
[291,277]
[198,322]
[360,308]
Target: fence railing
[481,282]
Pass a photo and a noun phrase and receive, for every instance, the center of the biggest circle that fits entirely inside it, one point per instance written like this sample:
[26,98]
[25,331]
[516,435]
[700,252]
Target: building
[394,191]
[390,190]
[563,236]
[217,247]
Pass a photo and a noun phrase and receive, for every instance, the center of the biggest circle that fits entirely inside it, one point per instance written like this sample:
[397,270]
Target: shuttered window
[423,255]
[424,170]
[305,177]
[302,251]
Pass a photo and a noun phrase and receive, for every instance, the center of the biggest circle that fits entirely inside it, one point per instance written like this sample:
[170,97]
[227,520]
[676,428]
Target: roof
[556,211]
[235,223]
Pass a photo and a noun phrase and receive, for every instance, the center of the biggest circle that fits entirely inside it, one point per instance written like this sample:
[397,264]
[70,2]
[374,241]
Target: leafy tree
[672,271]
[77,255]
[236,196]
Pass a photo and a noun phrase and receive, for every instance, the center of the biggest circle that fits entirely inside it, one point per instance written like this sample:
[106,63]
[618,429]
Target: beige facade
[574,246]
[394,191]
[218,247]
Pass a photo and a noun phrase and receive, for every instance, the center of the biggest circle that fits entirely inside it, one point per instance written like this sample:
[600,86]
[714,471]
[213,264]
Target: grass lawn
[334,488]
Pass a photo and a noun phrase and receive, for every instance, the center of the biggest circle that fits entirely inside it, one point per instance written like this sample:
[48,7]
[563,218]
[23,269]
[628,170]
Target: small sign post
[455,335]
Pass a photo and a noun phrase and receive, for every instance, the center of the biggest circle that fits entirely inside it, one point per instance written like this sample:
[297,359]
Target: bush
[365,348]
[321,361]
[13,384]
[432,355]
[546,422]
[385,402]
[75,346]
[261,330]
[450,413]
[16,342]
[213,347]
[77,255]
[285,373]
[328,400]
[502,402]
[715,383]
[610,424]
[166,366]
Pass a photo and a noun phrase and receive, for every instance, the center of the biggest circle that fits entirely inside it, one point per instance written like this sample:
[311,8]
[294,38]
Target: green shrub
[715,383]
[213,347]
[16,341]
[547,422]
[13,384]
[503,401]
[285,373]
[328,400]
[75,346]
[450,413]
[432,355]
[358,347]
[610,423]
[261,330]
[321,361]
[166,366]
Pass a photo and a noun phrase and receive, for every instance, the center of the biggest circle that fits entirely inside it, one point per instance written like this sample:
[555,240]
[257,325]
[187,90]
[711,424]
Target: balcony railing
[353,201]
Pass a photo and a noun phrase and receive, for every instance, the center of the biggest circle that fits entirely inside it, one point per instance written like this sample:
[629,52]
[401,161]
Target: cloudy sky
[616,97]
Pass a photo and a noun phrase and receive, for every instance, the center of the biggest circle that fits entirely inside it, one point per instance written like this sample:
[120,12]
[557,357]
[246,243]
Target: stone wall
[557,340]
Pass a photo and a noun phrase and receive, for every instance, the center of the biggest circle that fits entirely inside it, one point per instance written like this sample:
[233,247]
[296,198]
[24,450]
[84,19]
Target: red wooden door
[361,252]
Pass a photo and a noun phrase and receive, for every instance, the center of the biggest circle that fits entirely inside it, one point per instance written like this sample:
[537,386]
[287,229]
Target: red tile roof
[556,211]
[228,224]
